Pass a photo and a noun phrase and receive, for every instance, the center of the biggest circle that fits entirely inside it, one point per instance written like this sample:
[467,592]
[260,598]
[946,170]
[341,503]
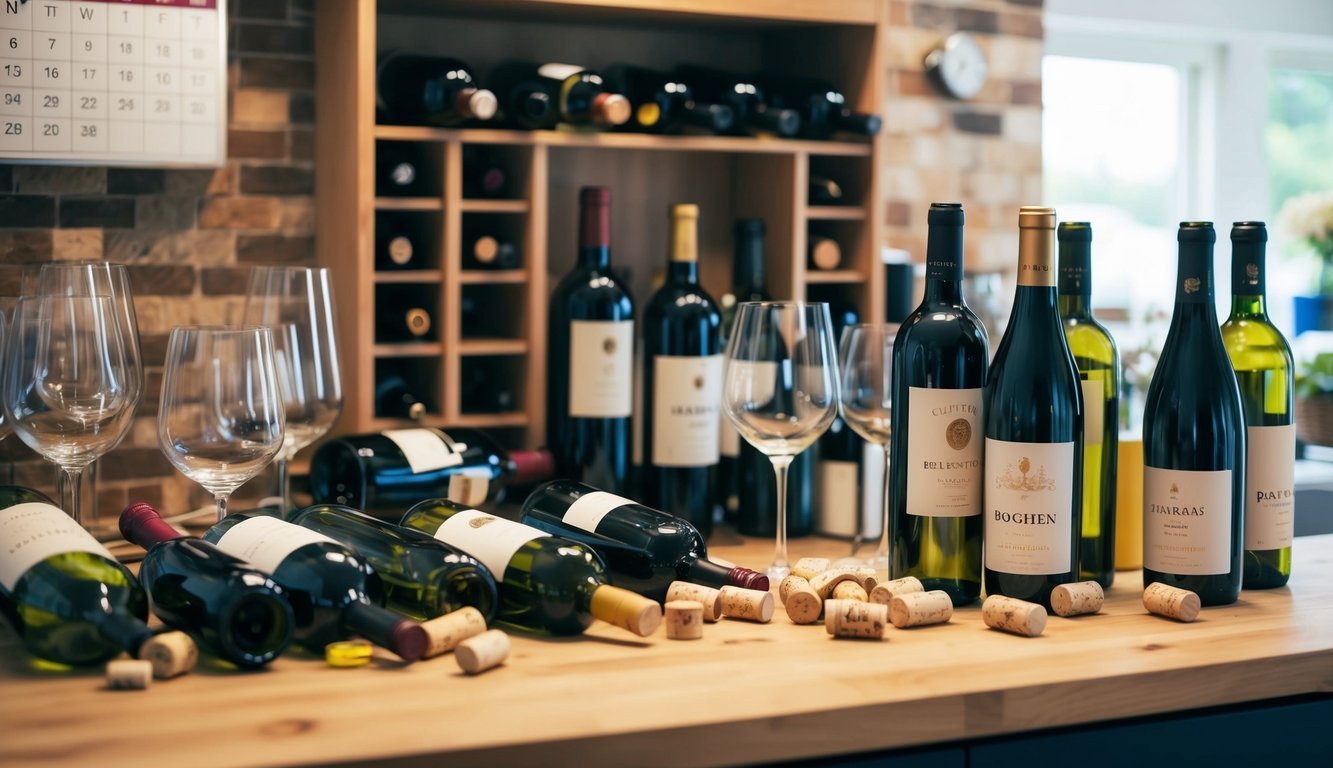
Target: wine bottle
[394,247]
[824,253]
[235,611]
[663,103]
[589,397]
[483,177]
[1098,363]
[399,324]
[1034,434]
[394,399]
[824,191]
[750,109]
[62,591]
[388,471]
[1194,442]
[840,463]
[682,362]
[1262,361]
[431,89]
[822,107]
[397,171]
[546,583]
[422,577]
[487,251]
[541,96]
[940,360]
[747,284]
[481,390]
[333,591]
[644,549]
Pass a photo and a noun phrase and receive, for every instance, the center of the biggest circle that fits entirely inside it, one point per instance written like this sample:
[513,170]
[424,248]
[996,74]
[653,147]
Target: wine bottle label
[1270,478]
[558,71]
[470,486]
[944,448]
[425,450]
[1094,411]
[601,369]
[839,500]
[264,542]
[589,509]
[492,540]
[687,392]
[1187,521]
[1029,507]
[33,531]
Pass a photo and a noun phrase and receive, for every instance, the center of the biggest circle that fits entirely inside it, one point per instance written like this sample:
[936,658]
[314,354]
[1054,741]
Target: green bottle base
[1266,569]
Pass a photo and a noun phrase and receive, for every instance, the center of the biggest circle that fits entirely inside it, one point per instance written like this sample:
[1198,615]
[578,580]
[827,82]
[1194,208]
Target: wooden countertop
[745,693]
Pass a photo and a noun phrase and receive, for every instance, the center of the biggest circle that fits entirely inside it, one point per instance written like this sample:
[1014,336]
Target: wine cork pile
[688,606]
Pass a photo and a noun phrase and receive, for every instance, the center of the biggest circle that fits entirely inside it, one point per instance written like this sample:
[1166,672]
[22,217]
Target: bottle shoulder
[1248,333]
[686,300]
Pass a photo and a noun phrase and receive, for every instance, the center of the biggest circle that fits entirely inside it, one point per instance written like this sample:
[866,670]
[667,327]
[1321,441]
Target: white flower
[1310,217]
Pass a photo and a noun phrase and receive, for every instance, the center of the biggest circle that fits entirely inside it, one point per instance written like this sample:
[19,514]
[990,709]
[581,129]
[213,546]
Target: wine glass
[780,389]
[296,303]
[221,416]
[865,354]
[68,389]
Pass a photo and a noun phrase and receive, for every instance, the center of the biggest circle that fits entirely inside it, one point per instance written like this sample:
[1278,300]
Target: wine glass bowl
[865,355]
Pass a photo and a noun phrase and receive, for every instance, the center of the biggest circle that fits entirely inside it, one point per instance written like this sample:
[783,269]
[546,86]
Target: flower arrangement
[1310,218]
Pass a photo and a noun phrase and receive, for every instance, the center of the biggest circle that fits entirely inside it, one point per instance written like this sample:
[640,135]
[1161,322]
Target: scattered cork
[346,654]
[918,609]
[684,620]
[823,583]
[445,632]
[1171,602]
[1013,615]
[865,576]
[803,604]
[1077,599]
[750,604]
[884,593]
[849,590]
[129,674]
[170,653]
[810,567]
[482,652]
[851,618]
[709,598]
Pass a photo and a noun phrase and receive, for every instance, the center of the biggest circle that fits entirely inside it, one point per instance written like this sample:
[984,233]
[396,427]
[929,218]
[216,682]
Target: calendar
[113,82]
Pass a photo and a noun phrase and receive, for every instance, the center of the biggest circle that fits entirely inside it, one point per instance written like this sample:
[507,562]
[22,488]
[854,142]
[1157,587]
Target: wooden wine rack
[729,177]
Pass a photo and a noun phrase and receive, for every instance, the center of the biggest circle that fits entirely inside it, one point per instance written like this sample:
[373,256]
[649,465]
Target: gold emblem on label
[1175,488]
[1025,479]
[478,522]
[1192,284]
[698,382]
[609,345]
[958,434]
[1252,271]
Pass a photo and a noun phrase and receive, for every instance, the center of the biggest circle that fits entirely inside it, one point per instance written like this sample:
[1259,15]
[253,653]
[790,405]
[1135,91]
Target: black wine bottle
[749,106]
[395,247]
[483,176]
[397,170]
[431,89]
[940,358]
[589,400]
[235,611]
[840,468]
[664,103]
[489,251]
[682,375]
[394,399]
[824,191]
[397,323]
[540,96]
[1194,442]
[747,284]
[824,253]
[822,107]
[485,389]
[1034,434]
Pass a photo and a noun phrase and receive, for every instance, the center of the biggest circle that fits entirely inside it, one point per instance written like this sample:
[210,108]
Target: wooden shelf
[409,276]
[481,347]
[408,349]
[483,420]
[835,213]
[486,276]
[833,276]
[409,204]
[493,206]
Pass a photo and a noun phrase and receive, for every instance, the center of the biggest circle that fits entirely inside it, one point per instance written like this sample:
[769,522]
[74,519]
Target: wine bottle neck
[124,631]
[595,227]
[1074,306]
[1247,278]
[944,262]
[1194,279]
[387,630]
[683,272]
[143,525]
[596,257]
[747,271]
[703,571]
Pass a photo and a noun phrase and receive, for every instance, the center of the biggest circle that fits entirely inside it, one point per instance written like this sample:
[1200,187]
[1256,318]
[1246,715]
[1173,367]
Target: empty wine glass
[865,356]
[221,416]
[780,389]
[296,304]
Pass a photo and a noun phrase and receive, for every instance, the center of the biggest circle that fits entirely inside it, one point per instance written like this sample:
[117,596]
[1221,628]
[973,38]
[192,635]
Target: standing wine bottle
[431,89]
[1098,363]
[422,577]
[822,107]
[747,284]
[234,610]
[1262,361]
[547,584]
[750,108]
[1194,442]
[644,549]
[665,103]
[939,370]
[839,472]
[682,362]
[1034,433]
[333,591]
[385,472]
[589,396]
[542,96]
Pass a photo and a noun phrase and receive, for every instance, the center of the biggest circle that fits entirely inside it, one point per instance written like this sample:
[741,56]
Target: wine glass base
[776,573]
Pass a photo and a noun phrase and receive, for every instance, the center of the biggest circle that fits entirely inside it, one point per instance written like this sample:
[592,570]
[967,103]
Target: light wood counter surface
[745,693]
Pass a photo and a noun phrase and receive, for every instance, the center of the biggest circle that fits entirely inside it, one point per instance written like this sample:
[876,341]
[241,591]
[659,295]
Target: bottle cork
[445,632]
[883,593]
[626,610]
[803,604]
[916,609]
[810,567]
[823,583]
[1077,598]
[865,576]
[129,674]
[481,652]
[852,618]
[684,620]
[749,604]
[170,653]
[1013,615]
[849,590]
[709,598]
[1172,602]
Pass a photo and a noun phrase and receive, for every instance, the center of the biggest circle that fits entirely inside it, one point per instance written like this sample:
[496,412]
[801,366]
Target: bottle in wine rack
[395,246]
[397,323]
[398,170]
[751,110]
[483,389]
[431,89]
[824,191]
[747,284]
[395,399]
[822,107]
[539,96]
[483,176]
[825,253]
[664,103]
[490,251]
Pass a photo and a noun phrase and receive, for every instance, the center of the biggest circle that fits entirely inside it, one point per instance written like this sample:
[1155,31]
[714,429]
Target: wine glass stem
[71,492]
[883,554]
[284,484]
[780,466]
[221,499]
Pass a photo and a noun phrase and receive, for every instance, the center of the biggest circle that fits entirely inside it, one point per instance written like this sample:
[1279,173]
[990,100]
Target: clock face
[959,65]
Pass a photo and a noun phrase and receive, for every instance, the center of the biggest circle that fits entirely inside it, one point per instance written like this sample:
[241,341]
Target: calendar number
[88,102]
[50,130]
[13,42]
[50,102]
[14,98]
[13,129]
[53,72]
[14,70]
[88,131]
[125,105]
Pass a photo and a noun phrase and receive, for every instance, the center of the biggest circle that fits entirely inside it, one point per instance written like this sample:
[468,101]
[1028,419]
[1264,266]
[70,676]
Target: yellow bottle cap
[348,653]
[626,610]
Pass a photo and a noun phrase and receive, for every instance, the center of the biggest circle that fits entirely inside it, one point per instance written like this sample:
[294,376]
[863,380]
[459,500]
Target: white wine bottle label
[1029,507]
[470,486]
[492,540]
[33,531]
[589,509]
[1094,411]
[424,449]
[1270,480]
[839,502]
[265,542]
[1187,521]
[601,369]
[944,448]
[687,394]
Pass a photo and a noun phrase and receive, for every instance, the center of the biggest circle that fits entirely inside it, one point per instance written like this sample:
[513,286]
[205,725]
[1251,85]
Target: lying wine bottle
[333,591]
[422,576]
[234,610]
[644,549]
[547,584]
